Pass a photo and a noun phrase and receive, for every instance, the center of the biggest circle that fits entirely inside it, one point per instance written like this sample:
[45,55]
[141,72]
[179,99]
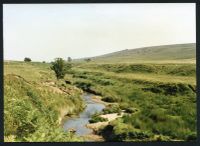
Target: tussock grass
[160,99]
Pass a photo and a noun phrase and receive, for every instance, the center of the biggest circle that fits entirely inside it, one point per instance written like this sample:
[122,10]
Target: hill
[166,53]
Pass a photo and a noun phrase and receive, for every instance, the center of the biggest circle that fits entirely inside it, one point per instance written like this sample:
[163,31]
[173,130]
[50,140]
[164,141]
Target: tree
[26,59]
[69,59]
[60,67]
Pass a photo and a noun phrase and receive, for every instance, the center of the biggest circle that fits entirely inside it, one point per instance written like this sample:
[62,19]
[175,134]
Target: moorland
[150,91]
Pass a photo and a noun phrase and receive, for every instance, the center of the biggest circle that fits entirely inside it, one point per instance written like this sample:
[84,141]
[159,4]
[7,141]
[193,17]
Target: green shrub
[60,67]
[111,109]
[110,99]
[26,59]
[96,118]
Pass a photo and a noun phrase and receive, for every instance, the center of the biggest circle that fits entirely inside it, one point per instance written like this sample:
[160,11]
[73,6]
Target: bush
[60,67]
[111,109]
[110,99]
[26,59]
[96,118]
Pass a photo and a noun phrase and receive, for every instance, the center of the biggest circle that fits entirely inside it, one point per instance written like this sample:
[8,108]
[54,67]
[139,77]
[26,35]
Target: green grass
[33,110]
[161,102]
[177,53]
[156,86]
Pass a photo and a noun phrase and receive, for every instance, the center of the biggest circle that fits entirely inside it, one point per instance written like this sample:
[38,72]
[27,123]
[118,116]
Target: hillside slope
[35,103]
[154,53]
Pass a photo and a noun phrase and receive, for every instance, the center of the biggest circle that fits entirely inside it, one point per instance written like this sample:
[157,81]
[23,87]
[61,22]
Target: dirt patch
[112,116]
[96,126]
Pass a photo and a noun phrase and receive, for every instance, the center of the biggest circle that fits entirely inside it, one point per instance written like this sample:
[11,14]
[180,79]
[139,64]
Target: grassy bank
[159,100]
[35,102]
[163,95]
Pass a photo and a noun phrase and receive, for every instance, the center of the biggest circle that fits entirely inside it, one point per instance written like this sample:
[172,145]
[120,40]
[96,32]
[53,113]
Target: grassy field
[158,93]
[163,94]
[179,53]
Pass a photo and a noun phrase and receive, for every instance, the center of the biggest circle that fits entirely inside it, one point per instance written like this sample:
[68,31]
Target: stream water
[79,123]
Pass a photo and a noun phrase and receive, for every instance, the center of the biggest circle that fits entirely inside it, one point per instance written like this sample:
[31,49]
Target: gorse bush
[60,67]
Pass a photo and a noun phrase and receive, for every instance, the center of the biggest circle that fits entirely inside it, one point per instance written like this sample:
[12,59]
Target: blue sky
[46,31]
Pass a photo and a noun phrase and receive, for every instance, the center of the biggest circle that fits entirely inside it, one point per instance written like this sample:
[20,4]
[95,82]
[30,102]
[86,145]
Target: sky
[47,31]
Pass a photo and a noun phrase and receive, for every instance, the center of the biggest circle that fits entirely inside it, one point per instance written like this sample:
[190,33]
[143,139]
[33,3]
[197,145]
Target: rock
[72,130]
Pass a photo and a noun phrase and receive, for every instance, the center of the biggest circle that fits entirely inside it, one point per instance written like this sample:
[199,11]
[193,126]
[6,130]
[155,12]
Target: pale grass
[149,77]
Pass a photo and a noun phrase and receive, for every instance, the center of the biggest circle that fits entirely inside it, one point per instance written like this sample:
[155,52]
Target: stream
[79,123]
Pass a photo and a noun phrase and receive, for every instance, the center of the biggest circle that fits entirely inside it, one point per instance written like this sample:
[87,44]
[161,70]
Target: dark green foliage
[26,59]
[60,67]
[171,89]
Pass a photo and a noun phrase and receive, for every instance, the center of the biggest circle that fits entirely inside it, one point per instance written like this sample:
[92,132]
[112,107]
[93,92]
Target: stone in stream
[72,130]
